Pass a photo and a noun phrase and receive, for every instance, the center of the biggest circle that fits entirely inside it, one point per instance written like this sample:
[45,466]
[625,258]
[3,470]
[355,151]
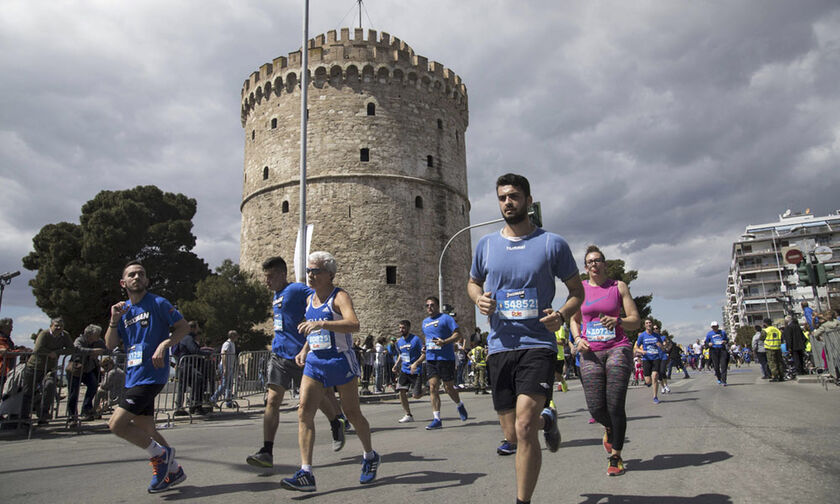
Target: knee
[526,429]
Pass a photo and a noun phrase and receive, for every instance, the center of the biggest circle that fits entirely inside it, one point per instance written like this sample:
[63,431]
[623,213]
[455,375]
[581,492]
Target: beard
[517,217]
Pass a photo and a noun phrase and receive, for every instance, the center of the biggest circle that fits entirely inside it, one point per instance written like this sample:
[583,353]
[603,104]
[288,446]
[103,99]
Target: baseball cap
[714,323]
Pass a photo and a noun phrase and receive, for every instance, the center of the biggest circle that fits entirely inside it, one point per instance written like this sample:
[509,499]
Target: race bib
[518,304]
[431,345]
[319,340]
[595,331]
[652,350]
[135,356]
[406,358]
[278,324]
[717,340]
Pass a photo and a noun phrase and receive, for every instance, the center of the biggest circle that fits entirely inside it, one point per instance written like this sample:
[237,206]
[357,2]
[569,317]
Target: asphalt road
[750,442]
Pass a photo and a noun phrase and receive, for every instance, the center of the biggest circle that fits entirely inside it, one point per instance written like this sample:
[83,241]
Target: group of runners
[512,282]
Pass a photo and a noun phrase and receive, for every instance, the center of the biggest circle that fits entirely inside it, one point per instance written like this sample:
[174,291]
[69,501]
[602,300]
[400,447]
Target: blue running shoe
[369,468]
[506,448]
[550,431]
[302,481]
[655,400]
[436,424]
[176,477]
[160,469]
[718,382]
[462,410]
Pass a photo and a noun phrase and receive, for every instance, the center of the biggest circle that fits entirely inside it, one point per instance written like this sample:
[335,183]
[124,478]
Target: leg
[619,361]
[271,417]
[404,401]
[329,405]
[507,420]
[91,381]
[73,386]
[349,393]
[449,387]
[594,380]
[724,365]
[434,393]
[138,430]
[311,395]
[528,454]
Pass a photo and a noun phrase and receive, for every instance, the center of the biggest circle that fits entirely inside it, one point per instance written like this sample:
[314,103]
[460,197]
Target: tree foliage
[616,270]
[744,335]
[79,265]
[230,299]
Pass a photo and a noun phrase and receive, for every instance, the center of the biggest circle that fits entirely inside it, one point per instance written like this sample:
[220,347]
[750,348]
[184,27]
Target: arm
[112,335]
[179,330]
[631,319]
[348,324]
[420,360]
[554,319]
[300,358]
[484,300]
[78,345]
[581,345]
[456,335]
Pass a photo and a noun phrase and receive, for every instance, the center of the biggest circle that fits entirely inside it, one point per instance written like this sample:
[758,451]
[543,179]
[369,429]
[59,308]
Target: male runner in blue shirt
[410,350]
[512,282]
[142,324]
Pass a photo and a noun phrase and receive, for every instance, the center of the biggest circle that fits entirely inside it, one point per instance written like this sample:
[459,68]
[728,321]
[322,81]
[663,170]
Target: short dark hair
[433,298]
[133,262]
[757,327]
[593,248]
[406,323]
[274,262]
[768,321]
[514,180]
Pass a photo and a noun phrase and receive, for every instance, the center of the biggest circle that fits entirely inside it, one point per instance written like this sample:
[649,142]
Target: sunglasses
[313,271]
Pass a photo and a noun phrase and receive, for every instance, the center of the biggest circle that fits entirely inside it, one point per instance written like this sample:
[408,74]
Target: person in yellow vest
[773,346]
[809,359]
[479,358]
[560,363]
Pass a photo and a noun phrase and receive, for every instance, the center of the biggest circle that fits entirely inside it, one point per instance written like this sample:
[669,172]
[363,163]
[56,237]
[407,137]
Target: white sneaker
[667,389]
[406,419]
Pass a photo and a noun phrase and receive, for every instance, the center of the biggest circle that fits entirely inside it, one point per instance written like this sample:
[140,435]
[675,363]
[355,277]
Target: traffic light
[822,279]
[806,274]
[535,214]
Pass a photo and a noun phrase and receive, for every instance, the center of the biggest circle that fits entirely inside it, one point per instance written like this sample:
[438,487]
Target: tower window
[430,161]
[418,202]
[440,124]
[253,134]
[364,155]
[371,109]
[391,275]
[285,207]
[265,173]
[456,136]
[274,123]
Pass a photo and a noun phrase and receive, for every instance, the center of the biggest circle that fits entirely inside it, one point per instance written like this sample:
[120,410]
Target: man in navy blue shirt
[410,350]
[142,324]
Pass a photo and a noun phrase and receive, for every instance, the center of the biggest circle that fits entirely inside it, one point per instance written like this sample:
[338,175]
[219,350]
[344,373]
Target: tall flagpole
[304,88]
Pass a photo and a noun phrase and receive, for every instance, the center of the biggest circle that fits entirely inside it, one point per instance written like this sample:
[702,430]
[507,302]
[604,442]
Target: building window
[274,123]
[456,136]
[430,161]
[391,275]
[253,134]
[371,109]
[265,173]
[440,124]
[284,207]
[418,202]
[364,155]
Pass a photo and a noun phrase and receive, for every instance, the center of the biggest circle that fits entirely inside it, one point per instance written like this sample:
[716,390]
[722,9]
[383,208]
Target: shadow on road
[668,401]
[655,499]
[192,492]
[676,461]
[585,442]
[632,419]
[435,479]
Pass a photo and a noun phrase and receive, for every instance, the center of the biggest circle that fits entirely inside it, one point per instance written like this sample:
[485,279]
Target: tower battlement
[344,60]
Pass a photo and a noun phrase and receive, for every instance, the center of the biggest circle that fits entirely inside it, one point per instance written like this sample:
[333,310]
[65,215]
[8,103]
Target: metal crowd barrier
[252,376]
[831,340]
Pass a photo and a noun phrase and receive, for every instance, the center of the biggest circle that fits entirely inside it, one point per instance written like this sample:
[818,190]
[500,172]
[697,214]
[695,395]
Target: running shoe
[369,468]
[261,459]
[337,427]
[564,387]
[655,400]
[176,477]
[302,481]
[668,389]
[591,420]
[347,426]
[550,431]
[160,469]
[718,382]
[724,384]
[462,411]
[616,466]
[607,444]
[436,424]
[662,389]
[406,419]
[506,448]
[559,387]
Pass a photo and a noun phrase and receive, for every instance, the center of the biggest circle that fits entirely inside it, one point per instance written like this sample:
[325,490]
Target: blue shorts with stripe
[332,371]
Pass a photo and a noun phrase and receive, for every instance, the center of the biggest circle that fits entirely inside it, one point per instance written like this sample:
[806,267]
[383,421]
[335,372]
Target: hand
[300,358]
[160,352]
[413,368]
[582,345]
[609,322]
[486,304]
[99,351]
[553,320]
[118,310]
[308,326]
[52,355]
[438,341]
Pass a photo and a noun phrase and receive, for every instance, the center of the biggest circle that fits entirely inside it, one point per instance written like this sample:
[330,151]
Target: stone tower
[386,173]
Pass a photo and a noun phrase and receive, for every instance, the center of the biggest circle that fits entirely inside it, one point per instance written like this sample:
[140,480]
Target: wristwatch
[618,321]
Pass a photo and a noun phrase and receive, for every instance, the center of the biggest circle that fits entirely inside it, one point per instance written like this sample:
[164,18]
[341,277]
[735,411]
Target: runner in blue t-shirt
[648,345]
[441,332]
[410,350]
[142,325]
[663,362]
[512,281]
[288,306]
[718,343]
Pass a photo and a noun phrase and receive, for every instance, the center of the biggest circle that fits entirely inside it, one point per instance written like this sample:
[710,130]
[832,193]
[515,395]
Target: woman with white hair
[328,361]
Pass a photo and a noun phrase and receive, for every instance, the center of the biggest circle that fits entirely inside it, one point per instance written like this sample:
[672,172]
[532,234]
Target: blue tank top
[323,343]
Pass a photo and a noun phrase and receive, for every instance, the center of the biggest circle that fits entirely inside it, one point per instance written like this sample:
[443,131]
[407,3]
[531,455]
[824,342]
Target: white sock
[368,455]
[436,414]
[154,449]
[174,465]
[306,467]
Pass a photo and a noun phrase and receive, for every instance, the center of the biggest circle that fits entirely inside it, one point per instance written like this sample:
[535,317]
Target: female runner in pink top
[606,359]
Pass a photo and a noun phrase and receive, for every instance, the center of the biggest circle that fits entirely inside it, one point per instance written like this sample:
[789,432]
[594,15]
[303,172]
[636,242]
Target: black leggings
[605,376]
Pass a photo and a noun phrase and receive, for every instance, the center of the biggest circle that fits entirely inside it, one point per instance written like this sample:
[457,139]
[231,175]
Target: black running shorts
[406,381]
[527,371]
[443,369]
[649,366]
[140,400]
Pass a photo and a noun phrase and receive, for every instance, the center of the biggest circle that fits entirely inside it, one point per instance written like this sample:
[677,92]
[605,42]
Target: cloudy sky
[655,129]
